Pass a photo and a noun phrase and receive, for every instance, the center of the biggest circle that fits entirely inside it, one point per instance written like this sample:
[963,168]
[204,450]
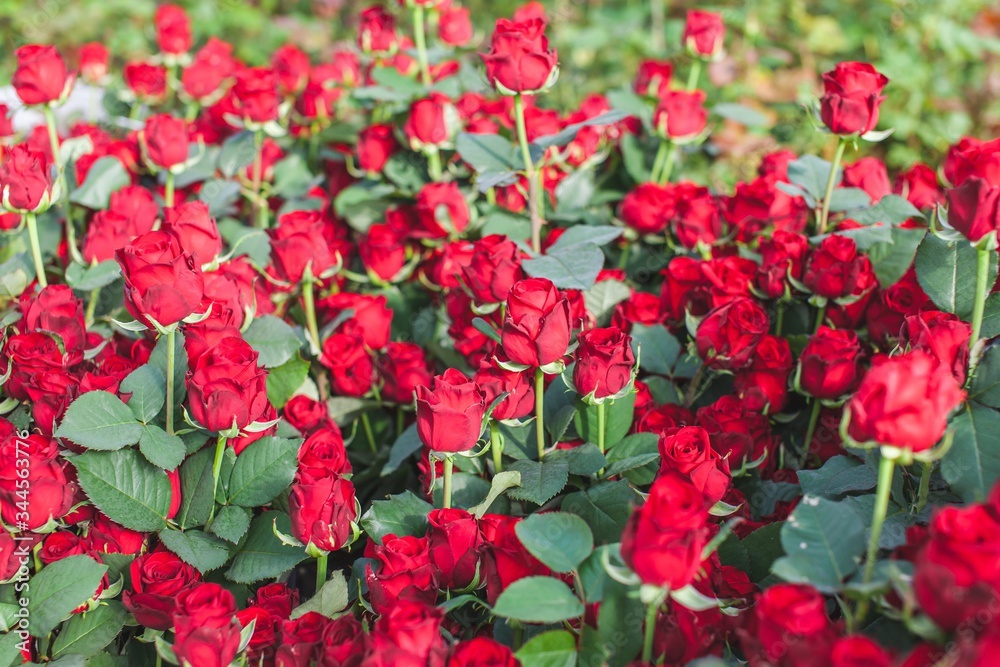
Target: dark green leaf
[59,588]
[238,151]
[839,475]
[488,152]
[403,514]
[89,278]
[659,350]
[127,488]
[618,419]
[330,599]
[891,260]
[284,380]
[273,339]
[406,445]
[86,634]
[823,541]
[946,270]
[972,465]
[231,523]
[540,482]
[890,210]
[985,387]
[198,549]
[160,448]
[538,600]
[106,175]
[560,540]
[263,555]
[148,388]
[99,420]
[262,471]
[556,648]
[606,507]
[575,267]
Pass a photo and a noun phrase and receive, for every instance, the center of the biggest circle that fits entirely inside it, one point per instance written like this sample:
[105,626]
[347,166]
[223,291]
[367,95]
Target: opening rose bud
[377,31]
[851,99]
[520,60]
[226,387]
[165,140]
[728,335]
[681,115]
[162,282]
[206,632]
[605,363]
[704,33]
[322,511]
[536,331]
[173,29]
[41,76]
[433,122]
[26,179]
[450,413]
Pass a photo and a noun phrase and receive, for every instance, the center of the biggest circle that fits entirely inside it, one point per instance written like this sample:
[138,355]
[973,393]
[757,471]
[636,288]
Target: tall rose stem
[434,168]
[540,412]
[982,289]
[661,156]
[886,467]
[321,566]
[601,421]
[88,316]
[50,124]
[259,207]
[36,248]
[668,164]
[309,305]
[925,486]
[529,170]
[831,183]
[449,466]
[650,632]
[369,434]
[420,39]
[813,420]
[693,75]
[170,382]
[496,447]
[168,192]
[220,449]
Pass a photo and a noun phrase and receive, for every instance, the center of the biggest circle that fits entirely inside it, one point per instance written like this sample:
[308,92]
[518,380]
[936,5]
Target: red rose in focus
[408,635]
[536,331]
[735,430]
[688,451]
[604,363]
[322,510]
[297,243]
[852,95]
[450,412]
[974,208]
[941,335]
[40,76]
[494,380]
[506,560]
[681,114]
[728,335]
[165,139]
[520,60]
[835,268]
[904,402]
[323,452]
[162,282]
[157,579]
[401,568]
[763,384]
[455,545]
[493,270]
[352,370]
[173,29]
[829,363]
[648,208]
[482,652]
[195,229]
[226,387]
[704,33]
[788,627]
[55,309]
[25,179]
[782,255]
[206,632]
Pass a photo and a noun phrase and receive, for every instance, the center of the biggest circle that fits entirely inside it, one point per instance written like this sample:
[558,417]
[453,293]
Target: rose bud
[974,208]
[859,650]
[783,254]
[344,642]
[195,229]
[106,536]
[664,538]
[450,412]
[148,82]
[26,179]
[919,184]
[226,388]
[433,122]
[163,285]
[829,365]
[322,452]
[51,495]
[375,146]
[404,571]
[495,380]
[352,370]
[377,31]
[653,78]
[265,633]
[728,335]
[93,62]
[291,67]
[505,559]
[369,312]
[409,633]
[941,335]
[852,95]
[536,331]
[688,451]
[789,627]
[455,545]
[165,140]
[763,384]
[383,251]
[213,63]
[904,402]
[55,309]
[300,639]
[605,364]
[157,579]
[206,632]
[256,95]
[56,546]
[681,115]
[735,431]
[704,34]
[441,211]
[493,270]
[870,175]
[835,267]
[297,243]
[322,510]
[520,60]
[455,25]
[40,76]
[696,217]
[402,368]
[648,208]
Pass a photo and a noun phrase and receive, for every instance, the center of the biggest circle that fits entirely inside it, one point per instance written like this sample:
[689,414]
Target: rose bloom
[688,451]
[25,179]
[851,99]
[195,229]
[450,412]
[648,208]
[520,60]
[226,387]
[788,627]
[455,545]
[536,331]
[162,282]
[322,510]
[829,363]
[157,578]
[401,568]
[493,270]
[495,380]
[680,114]
[604,362]
[904,402]
[206,632]
[41,76]
[728,335]
[432,122]
[704,33]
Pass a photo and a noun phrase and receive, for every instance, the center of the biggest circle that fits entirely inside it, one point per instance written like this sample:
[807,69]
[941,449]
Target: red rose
[265,633]
[441,210]
[640,308]
[377,31]
[455,545]
[763,384]
[344,643]
[106,232]
[482,652]
[226,387]
[25,179]
[869,174]
[604,362]
[704,33]
[649,208]
[904,401]
[10,559]
[782,255]
[520,60]
[323,452]
[106,536]
[735,431]
[664,538]
[173,29]
[157,579]
[41,76]
[974,208]
[433,121]
[829,363]
[859,651]
[322,510]
[455,25]
[494,268]
[370,313]
[684,290]
[402,368]
[536,331]
[759,204]
[941,335]
[696,217]
[688,451]
[195,229]
[352,370]
[291,67]
[56,546]
[956,576]
[408,635]
[494,380]
[56,310]
[788,628]
[93,58]
[147,81]
[919,184]
[27,356]
[505,559]
[852,95]
[162,282]
[376,144]
[653,77]
[681,114]
[298,242]
[401,568]
[211,66]
[450,412]
[307,415]
[835,267]
[137,204]
[383,251]
[256,94]
[300,639]
[728,335]
[50,494]
[277,599]
[206,633]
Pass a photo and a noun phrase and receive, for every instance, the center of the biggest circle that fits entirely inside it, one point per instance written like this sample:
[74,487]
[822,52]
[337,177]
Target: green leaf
[558,539]
[501,482]
[488,152]
[198,549]
[633,445]
[273,339]
[292,177]
[985,387]
[158,358]
[284,380]
[972,465]
[60,588]
[630,463]
[263,555]
[538,600]
[160,448]
[264,469]
[406,445]
[403,514]
[106,175]
[659,348]
[126,487]
[86,278]
[839,475]
[891,260]
[605,507]
[197,499]
[618,620]
[540,482]
[585,459]
[741,114]
[890,210]
[575,267]
[849,199]
[946,270]
[231,523]
[823,540]
[330,599]
[582,235]
[602,298]
[568,133]
[811,174]
[574,194]
[618,419]
[148,388]
[99,420]
[238,151]
[555,648]
[991,317]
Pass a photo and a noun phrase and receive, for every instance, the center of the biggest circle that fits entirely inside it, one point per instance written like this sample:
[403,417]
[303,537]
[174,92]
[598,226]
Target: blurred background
[943,58]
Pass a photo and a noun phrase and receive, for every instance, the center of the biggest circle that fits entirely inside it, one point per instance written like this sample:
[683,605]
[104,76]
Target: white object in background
[84,103]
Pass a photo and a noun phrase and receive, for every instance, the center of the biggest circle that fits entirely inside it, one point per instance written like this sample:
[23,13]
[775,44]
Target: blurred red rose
[851,99]
[520,60]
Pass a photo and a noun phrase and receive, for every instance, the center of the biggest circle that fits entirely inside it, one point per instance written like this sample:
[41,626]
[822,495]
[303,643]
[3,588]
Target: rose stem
[650,631]
[368,432]
[540,411]
[885,470]
[168,194]
[601,419]
[831,182]
[258,177]
[321,571]
[982,287]
[529,171]
[449,465]
[36,249]
[309,305]
[693,75]
[220,448]
[496,447]
[813,420]
[420,39]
